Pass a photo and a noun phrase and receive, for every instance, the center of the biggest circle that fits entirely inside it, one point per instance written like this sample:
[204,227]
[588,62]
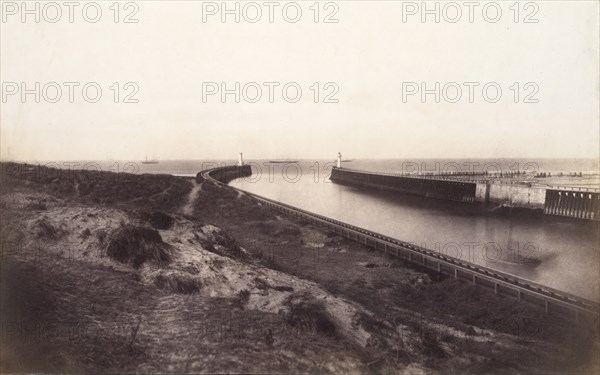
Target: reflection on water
[560,253]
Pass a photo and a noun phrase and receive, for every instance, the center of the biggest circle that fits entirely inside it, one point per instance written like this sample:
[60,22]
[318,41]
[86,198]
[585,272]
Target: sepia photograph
[300,187]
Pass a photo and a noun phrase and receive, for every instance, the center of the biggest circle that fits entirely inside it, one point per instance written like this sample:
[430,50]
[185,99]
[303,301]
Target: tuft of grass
[310,315]
[430,345]
[278,228]
[37,206]
[45,230]
[101,236]
[242,298]
[136,245]
[86,233]
[222,244]
[158,220]
[177,283]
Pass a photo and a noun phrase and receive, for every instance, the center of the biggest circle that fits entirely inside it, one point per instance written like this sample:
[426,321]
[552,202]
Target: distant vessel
[153,161]
[282,161]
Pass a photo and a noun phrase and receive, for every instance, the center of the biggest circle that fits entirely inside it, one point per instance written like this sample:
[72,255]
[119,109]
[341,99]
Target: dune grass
[136,245]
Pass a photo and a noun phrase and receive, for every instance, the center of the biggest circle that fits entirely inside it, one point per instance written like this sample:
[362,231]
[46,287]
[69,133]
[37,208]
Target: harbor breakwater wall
[426,187]
[550,201]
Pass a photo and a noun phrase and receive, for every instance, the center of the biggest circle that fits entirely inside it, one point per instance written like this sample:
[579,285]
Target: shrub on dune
[136,245]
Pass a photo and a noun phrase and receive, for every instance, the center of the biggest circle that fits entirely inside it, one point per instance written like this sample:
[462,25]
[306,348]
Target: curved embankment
[552,300]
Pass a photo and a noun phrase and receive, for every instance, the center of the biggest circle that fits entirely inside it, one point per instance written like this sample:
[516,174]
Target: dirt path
[188,209]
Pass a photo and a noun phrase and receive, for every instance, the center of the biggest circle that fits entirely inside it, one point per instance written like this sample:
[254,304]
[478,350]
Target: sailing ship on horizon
[152,161]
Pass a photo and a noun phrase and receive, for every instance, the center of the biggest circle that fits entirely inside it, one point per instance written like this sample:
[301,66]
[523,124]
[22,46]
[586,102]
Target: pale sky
[370,55]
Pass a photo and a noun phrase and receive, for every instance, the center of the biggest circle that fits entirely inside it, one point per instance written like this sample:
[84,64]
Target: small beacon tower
[339,161]
[241,159]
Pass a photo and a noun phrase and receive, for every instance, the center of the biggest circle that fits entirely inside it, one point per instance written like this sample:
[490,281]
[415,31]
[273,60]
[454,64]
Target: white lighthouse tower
[339,164]
[241,159]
